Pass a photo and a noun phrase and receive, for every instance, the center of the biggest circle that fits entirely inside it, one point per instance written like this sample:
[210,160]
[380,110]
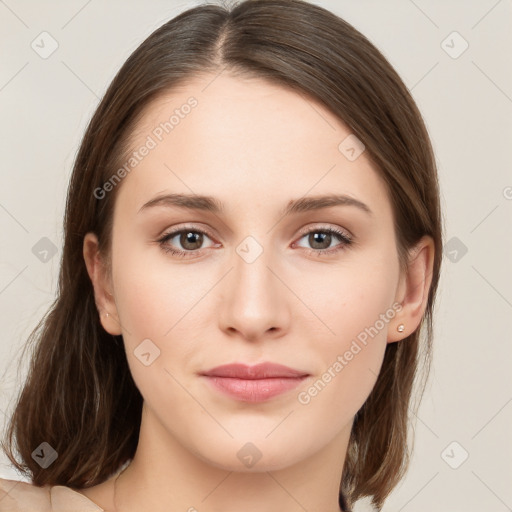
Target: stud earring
[400,328]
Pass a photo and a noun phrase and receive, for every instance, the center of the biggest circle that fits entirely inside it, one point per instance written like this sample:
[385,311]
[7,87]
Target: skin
[254,146]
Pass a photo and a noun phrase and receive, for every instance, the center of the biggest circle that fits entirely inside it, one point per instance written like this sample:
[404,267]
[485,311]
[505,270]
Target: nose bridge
[254,296]
[252,278]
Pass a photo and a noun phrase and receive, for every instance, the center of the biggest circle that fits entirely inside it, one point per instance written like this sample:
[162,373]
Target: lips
[254,383]
[259,371]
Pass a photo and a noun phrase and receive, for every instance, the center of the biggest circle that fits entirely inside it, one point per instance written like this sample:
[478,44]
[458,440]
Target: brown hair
[79,395]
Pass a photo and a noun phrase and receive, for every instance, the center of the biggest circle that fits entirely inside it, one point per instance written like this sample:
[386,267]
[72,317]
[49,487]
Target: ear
[413,289]
[101,281]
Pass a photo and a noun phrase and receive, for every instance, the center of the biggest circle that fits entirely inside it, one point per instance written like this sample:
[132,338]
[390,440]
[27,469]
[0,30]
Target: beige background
[467,105]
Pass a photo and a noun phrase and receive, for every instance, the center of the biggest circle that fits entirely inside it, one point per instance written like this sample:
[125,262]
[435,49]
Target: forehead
[225,135]
[242,112]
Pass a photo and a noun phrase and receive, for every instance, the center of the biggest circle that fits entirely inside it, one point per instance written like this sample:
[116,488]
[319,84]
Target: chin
[249,456]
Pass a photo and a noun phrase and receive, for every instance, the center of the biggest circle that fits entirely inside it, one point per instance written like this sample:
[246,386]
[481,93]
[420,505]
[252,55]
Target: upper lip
[259,371]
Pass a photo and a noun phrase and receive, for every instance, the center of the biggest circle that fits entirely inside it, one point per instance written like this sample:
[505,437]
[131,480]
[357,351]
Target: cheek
[159,306]
[152,307]
[356,311]
[348,300]
[152,295]
[351,362]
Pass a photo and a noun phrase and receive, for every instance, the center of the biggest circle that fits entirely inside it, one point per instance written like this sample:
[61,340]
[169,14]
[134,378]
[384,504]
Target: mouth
[254,390]
[254,383]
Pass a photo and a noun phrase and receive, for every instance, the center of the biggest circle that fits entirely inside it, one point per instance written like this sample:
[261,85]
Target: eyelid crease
[344,236]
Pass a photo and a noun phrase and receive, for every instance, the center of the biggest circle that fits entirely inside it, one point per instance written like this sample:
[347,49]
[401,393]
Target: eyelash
[345,240]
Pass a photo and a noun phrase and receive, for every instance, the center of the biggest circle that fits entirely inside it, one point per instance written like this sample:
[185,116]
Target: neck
[174,478]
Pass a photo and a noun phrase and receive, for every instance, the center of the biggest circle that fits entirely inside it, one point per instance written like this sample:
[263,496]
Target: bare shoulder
[18,496]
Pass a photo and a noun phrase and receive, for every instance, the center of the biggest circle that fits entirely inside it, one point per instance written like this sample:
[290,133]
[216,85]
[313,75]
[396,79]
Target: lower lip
[254,390]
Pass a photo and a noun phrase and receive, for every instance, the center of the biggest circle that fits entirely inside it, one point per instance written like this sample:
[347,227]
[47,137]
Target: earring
[400,328]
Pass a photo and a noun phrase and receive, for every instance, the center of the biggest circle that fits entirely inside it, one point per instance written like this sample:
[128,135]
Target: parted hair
[79,395]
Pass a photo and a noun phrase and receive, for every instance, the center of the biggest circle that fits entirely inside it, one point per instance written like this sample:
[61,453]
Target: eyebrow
[213,205]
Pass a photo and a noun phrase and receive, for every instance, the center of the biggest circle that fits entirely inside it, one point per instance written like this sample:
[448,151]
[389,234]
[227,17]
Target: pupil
[322,237]
[190,238]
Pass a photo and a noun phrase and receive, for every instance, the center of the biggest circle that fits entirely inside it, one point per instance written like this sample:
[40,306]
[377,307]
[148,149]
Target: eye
[191,239]
[320,240]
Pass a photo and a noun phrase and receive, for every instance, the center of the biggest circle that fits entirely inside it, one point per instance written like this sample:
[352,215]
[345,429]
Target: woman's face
[251,283]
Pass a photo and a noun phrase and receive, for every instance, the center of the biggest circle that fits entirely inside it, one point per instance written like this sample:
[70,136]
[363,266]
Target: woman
[252,250]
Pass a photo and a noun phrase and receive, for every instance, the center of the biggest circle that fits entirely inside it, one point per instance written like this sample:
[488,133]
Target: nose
[254,301]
